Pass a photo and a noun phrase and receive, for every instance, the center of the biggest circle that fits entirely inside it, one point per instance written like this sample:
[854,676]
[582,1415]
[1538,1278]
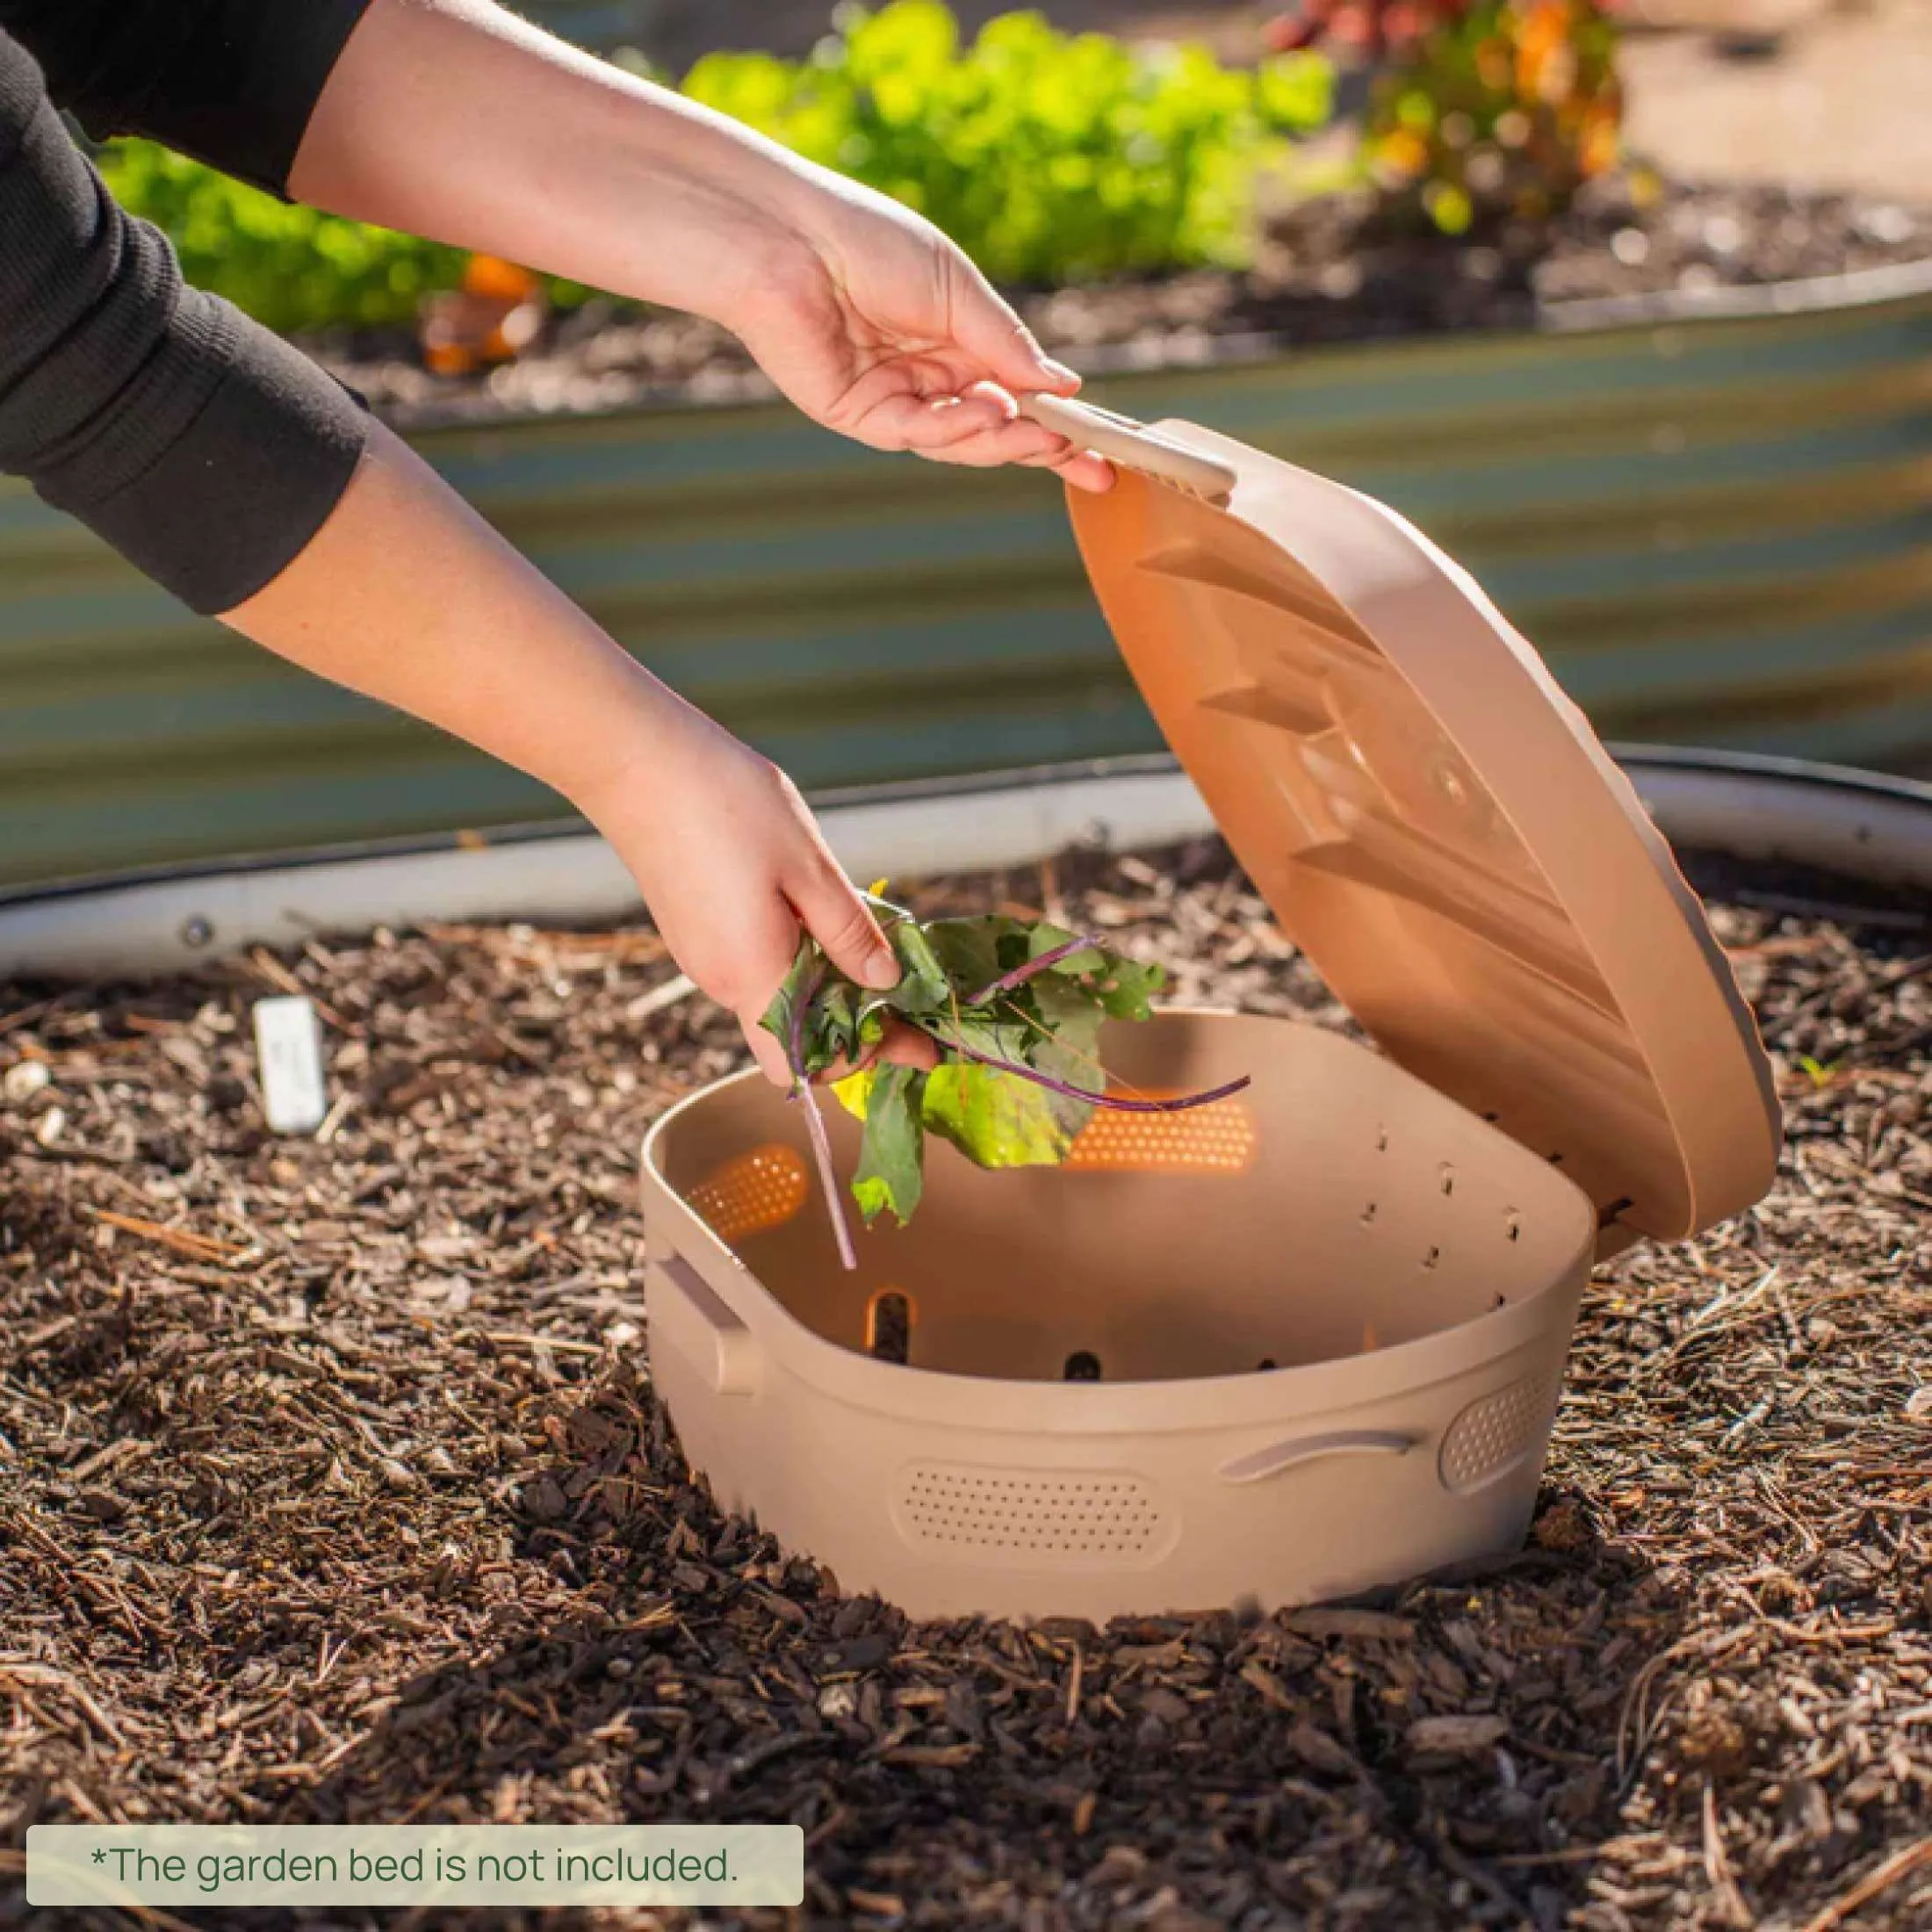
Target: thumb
[989,329]
[829,907]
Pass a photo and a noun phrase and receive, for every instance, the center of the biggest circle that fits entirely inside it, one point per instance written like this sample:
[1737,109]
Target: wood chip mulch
[332,1489]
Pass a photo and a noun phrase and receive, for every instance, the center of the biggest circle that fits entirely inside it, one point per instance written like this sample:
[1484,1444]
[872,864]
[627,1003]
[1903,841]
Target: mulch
[1332,271]
[332,1488]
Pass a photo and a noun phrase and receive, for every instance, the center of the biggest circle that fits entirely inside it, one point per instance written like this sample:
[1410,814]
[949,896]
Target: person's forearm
[408,596]
[451,119]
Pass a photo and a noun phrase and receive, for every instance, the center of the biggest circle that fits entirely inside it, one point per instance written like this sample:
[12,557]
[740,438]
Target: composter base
[1297,1345]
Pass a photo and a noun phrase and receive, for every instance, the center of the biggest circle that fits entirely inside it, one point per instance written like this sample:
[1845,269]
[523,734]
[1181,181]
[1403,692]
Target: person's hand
[876,325]
[457,121]
[731,863]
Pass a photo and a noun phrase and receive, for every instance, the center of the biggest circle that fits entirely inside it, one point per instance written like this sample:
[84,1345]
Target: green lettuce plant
[1048,157]
[291,268]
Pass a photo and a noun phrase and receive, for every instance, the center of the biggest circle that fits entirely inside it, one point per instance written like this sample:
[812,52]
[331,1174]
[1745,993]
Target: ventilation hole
[969,1510]
[1492,1117]
[1083,1366]
[889,1327]
[1266,1362]
[1556,1159]
[1381,1140]
[1611,1213]
[758,1191]
[1430,1259]
[1217,1139]
[1448,1180]
[1500,1301]
[1513,1227]
[1495,1433]
[1368,1215]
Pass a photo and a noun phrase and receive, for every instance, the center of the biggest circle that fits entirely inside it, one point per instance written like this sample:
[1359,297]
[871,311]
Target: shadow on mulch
[1321,1766]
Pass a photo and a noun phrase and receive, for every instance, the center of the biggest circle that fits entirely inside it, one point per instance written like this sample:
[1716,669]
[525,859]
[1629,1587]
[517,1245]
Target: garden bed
[1327,273]
[335,1490]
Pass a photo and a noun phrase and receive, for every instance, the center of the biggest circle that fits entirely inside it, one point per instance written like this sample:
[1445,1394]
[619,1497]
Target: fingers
[907,1046]
[902,1046]
[803,887]
[766,1051]
[964,427]
[1082,468]
[980,429]
[829,907]
[986,327]
[947,422]
[1031,446]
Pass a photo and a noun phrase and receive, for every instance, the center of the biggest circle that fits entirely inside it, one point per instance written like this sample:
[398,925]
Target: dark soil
[1330,272]
[334,1490]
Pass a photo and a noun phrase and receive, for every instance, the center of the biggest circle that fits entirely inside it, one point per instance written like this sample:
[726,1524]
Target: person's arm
[231,470]
[454,120]
[408,595]
[220,462]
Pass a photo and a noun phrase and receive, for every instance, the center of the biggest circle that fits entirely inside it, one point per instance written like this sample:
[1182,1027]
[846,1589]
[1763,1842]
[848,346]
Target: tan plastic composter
[1309,1340]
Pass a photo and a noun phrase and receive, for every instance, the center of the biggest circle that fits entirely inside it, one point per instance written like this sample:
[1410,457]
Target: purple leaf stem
[821,1142]
[1027,969]
[1179,1104]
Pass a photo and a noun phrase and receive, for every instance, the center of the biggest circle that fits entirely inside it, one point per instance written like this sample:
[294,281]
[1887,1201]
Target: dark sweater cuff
[237,496]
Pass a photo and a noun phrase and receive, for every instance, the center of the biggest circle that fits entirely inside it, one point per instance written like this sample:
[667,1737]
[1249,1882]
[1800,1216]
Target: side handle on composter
[685,1312]
[1120,439]
[1259,1464]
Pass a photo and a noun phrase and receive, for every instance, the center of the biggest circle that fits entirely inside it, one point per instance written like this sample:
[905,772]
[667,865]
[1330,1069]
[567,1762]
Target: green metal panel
[1719,532]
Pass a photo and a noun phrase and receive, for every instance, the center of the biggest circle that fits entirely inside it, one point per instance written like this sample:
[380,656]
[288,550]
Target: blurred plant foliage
[1503,110]
[291,268]
[1048,157]
[1481,111]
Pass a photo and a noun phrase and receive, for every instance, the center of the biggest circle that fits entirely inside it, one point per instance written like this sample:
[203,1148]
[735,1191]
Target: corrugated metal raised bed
[1714,518]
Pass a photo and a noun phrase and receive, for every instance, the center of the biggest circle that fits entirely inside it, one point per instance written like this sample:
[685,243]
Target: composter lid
[1434,823]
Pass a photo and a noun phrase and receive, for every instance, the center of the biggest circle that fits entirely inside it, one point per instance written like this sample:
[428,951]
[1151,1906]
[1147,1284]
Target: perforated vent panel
[1218,1139]
[1073,1518]
[1494,1434]
[758,1191]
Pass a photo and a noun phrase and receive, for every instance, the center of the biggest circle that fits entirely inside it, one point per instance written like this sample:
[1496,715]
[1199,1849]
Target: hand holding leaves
[1016,1008]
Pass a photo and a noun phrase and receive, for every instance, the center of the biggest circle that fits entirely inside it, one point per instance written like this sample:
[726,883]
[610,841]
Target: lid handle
[1133,444]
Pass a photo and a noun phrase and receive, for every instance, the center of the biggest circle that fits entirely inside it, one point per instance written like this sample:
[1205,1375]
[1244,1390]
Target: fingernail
[1059,372]
[882,971]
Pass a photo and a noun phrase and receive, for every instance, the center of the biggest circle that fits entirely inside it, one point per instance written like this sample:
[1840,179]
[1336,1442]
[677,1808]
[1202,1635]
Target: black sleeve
[203,448]
[232,82]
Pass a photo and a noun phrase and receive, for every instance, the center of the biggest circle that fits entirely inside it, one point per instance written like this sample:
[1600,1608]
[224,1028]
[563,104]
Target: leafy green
[1017,1007]
[892,1169]
[1048,157]
[289,267]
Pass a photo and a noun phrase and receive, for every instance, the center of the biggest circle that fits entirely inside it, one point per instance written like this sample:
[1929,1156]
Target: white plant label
[288,1046]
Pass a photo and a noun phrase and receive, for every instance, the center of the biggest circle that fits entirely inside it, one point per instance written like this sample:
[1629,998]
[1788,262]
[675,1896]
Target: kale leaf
[1015,1006]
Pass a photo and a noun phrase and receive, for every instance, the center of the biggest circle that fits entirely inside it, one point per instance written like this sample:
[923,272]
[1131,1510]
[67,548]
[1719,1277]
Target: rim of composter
[1021,1405]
